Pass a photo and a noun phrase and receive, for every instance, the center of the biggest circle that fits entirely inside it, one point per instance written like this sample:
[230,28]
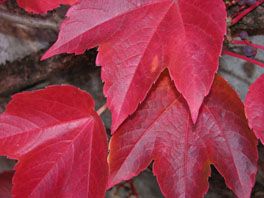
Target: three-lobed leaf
[59,141]
[162,130]
[138,39]
[254,107]
[40,6]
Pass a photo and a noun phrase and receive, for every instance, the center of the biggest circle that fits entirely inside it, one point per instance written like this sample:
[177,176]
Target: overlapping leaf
[162,130]
[138,39]
[6,184]
[59,141]
[254,106]
[40,6]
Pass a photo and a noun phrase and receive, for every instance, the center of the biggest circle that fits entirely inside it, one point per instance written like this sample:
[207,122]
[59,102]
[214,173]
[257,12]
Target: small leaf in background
[138,39]
[6,184]
[40,6]
[254,106]
[59,141]
[162,130]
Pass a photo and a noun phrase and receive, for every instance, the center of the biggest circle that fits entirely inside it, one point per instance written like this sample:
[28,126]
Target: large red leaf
[138,39]
[162,130]
[59,141]
[254,106]
[6,184]
[40,6]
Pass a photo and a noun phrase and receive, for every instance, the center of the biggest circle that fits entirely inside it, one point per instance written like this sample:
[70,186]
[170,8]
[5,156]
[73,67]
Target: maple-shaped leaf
[6,184]
[162,130]
[59,141]
[40,6]
[254,107]
[138,39]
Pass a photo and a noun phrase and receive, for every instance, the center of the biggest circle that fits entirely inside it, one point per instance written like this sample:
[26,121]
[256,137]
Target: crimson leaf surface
[162,130]
[254,106]
[59,141]
[138,39]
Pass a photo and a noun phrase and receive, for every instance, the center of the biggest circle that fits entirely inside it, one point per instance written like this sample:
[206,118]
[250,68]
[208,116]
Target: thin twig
[238,12]
[133,189]
[247,43]
[245,12]
[28,21]
[101,109]
[243,57]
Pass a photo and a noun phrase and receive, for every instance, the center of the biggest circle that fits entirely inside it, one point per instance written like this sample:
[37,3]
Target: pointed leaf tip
[60,143]
[182,151]
[134,47]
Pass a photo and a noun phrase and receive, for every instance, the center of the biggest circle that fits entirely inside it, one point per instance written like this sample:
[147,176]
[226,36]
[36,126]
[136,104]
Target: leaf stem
[243,57]
[101,109]
[133,189]
[238,12]
[247,43]
[245,12]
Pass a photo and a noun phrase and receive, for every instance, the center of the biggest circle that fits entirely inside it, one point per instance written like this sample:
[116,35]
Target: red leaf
[40,6]
[254,106]
[6,184]
[162,130]
[139,39]
[60,143]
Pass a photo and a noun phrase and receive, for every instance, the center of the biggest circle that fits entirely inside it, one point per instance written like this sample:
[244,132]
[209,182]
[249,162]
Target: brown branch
[26,72]
[28,21]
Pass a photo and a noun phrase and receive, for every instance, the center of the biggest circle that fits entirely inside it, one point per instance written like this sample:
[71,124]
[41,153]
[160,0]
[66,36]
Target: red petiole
[247,43]
[101,109]
[245,12]
[243,57]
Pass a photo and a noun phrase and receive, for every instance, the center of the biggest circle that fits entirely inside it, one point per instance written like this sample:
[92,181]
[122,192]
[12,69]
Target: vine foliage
[159,59]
